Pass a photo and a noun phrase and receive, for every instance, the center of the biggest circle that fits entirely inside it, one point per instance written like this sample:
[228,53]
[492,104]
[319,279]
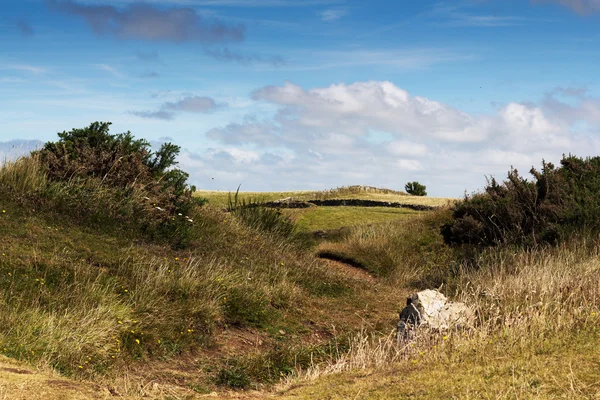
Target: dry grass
[535,336]
[98,305]
[403,251]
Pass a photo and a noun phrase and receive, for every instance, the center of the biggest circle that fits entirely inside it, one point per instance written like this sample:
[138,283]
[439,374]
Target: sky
[277,95]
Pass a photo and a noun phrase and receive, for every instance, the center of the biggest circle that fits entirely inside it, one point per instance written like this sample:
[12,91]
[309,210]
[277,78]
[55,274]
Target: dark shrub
[118,178]
[555,203]
[415,189]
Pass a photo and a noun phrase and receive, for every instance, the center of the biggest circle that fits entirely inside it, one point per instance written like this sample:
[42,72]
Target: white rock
[430,308]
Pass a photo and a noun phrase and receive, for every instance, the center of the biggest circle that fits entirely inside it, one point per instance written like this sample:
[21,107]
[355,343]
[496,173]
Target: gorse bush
[118,160]
[555,203]
[94,177]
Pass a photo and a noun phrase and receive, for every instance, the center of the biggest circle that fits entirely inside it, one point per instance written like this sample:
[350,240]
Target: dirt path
[351,271]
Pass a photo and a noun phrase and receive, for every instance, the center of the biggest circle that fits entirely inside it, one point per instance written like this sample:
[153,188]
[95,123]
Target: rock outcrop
[431,309]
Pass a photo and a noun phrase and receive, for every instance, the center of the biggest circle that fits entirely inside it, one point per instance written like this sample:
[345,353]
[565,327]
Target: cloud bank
[376,133]
[227,55]
[579,6]
[146,22]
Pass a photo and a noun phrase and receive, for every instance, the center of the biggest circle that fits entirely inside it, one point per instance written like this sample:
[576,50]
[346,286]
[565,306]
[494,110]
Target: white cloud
[406,148]
[362,106]
[323,137]
[332,14]
[410,165]
[23,68]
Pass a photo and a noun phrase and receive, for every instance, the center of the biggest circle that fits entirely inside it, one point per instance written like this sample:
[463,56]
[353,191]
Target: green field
[325,218]
[220,198]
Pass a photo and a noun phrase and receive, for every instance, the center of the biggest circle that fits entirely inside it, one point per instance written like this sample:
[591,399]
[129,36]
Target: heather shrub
[555,203]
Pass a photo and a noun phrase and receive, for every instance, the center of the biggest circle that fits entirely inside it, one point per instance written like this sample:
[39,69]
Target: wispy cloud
[403,59]
[24,68]
[150,57]
[12,80]
[231,3]
[231,56]
[454,16]
[150,75]
[146,22]
[196,104]
[190,104]
[164,115]
[332,14]
[110,69]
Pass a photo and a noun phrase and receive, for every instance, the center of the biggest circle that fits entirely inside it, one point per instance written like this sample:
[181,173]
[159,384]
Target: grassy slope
[105,287]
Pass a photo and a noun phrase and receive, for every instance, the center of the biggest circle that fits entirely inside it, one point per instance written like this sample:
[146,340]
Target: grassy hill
[107,289]
[236,308]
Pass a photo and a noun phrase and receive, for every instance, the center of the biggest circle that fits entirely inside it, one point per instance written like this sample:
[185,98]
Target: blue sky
[313,94]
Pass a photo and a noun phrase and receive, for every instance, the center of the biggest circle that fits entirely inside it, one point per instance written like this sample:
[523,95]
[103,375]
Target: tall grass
[527,303]
[408,251]
[22,176]
[263,219]
[74,317]
[86,301]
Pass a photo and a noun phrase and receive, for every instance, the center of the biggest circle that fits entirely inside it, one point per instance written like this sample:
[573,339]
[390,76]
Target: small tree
[415,189]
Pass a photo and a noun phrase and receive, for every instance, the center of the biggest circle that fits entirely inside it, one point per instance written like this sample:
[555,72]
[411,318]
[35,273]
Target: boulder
[431,309]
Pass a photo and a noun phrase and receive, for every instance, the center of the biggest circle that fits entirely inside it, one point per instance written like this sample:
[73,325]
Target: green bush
[110,180]
[118,160]
[544,210]
[415,189]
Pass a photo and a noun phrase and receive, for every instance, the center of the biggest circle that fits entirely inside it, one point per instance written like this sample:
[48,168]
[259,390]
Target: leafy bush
[415,189]
[108,180]
[118,160]
[546,209]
